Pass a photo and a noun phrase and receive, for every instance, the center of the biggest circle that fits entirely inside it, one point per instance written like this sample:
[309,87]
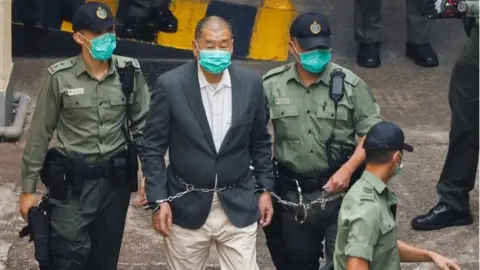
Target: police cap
[311,30]
[386,136]
[93,16]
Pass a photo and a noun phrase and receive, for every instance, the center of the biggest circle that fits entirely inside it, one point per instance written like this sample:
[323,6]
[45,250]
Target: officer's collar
[376,182]
[324,76]
[80,66]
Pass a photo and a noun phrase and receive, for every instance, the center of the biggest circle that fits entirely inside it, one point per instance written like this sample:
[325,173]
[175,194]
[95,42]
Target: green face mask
[215,61]
[315,61]
[103,46]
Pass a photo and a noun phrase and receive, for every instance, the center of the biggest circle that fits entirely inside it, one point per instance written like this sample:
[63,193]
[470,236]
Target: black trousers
[87,229]
[295,246]
[458,175]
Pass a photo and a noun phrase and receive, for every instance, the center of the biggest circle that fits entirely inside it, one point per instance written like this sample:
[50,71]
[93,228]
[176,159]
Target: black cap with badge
[386,136]
[311,30]
[93,16]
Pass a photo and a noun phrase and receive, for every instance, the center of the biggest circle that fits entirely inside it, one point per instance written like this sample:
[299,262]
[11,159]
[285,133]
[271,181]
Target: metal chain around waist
[304,207]
[190,188]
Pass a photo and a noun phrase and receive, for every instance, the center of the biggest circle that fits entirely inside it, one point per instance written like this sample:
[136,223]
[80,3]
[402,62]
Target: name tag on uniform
[75,91]
[282,101]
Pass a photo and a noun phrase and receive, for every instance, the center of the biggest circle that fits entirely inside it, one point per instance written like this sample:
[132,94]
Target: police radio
[336,91]
[337,79]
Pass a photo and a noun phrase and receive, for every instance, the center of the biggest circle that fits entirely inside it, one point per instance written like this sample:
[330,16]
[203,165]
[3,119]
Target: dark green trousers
[295,246]
[142,8]
[87,229]
[460,168]
[368,16]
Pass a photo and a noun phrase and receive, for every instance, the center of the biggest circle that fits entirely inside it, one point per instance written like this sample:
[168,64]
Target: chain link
[301,215]
[188,188]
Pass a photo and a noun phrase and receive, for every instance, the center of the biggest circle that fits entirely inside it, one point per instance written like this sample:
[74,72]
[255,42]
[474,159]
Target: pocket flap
[279,111]
[387,224]
[117,99]
[77,101]
[342,113]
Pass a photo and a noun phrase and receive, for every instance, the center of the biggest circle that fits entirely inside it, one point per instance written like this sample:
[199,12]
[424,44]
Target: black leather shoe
[135,28]
[368,55]
[164,20]
[422,54]
[441,216]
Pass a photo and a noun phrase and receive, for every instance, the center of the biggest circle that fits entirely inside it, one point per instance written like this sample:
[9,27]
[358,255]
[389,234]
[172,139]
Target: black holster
[56,174]
[39,230]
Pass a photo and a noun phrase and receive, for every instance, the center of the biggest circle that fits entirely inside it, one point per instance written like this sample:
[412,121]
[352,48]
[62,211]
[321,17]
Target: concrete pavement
[413,97]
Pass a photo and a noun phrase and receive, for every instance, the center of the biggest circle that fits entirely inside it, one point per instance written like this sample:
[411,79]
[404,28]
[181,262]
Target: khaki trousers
[189,249]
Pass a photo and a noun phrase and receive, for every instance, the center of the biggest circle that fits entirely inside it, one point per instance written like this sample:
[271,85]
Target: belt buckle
[97,171]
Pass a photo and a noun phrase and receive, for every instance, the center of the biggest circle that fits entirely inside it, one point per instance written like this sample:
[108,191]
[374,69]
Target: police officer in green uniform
[459,172]
[367,234]
[367,33]
[315,123]
[82,101]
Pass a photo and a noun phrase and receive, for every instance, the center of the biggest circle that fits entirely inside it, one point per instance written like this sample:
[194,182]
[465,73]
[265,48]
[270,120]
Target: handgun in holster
[127,78]
[38,229]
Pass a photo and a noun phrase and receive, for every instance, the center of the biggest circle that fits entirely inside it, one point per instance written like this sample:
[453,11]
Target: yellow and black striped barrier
[261,32]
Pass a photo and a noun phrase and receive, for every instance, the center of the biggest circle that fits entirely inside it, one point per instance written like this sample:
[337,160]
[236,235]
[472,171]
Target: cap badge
[315,28]
[101,13]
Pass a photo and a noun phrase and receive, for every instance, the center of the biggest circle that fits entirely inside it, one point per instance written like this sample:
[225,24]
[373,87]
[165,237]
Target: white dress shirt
[217,101]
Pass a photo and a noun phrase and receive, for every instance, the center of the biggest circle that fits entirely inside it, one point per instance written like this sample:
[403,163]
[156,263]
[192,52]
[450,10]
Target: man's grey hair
[205,21]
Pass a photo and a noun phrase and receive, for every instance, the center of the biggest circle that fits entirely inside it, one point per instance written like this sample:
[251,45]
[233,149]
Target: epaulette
[276,71]
[367,194]
[122,60]
[64,64]
[350,77]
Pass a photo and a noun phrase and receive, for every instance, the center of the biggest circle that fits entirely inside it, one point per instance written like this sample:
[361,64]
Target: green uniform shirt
[86,114]
[303,117]
[366,226]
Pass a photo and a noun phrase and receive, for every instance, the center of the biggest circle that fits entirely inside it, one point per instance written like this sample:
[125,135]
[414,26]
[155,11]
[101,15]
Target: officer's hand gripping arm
[43,125]
[156,137]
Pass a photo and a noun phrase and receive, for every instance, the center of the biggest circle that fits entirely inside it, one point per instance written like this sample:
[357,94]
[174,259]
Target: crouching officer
[92,101]
[317,108]
[367,236]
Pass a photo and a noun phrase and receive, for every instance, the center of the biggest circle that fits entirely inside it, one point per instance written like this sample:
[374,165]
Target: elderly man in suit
[211,115]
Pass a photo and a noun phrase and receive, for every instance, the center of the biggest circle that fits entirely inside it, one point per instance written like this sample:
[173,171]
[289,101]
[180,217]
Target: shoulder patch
[367,190]
[121,61]
[64,64]
[367,194]
[275,71]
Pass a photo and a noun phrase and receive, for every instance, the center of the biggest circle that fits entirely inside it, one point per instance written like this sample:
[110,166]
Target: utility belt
[289,178]
[59,172]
